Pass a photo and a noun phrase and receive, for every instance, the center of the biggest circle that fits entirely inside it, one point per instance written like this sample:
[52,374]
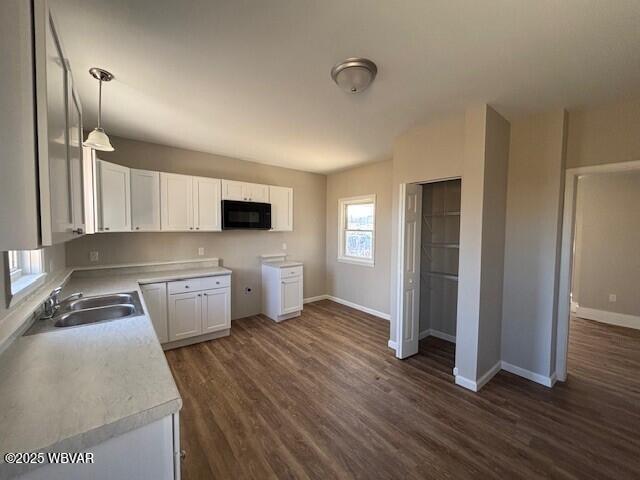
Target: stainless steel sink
[93,315]
[88,310]
[98,301]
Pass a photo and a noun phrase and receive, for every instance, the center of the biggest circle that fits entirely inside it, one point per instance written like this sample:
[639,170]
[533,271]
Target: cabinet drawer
[291,272]
[218,281]
[184,286]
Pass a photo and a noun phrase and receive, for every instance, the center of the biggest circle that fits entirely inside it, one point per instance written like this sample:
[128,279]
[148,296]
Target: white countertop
[70,389]
[283,264]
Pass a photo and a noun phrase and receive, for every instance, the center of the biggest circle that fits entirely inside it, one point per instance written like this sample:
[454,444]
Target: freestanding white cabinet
[145,200]
[155,297]
[114,197]
[282,289]
[281,199]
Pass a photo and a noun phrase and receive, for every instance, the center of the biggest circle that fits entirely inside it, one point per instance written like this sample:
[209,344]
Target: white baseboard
[315,299]
[481,382]
[370,311]
[529,375]
[612,318]
[430,332]
[392,344]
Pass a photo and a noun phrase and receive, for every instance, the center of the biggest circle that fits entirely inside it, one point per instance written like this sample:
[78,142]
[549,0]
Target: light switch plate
[284,246]
[201,251]
[613,297]
[94,256]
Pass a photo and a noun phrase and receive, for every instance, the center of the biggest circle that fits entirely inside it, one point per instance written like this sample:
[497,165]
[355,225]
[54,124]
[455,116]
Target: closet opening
[439,253]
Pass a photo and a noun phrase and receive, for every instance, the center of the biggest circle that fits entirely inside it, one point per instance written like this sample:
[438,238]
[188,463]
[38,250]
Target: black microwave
[245,215]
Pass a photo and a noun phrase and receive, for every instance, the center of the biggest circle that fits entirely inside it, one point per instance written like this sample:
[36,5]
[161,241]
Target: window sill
[357,261]
[24,285]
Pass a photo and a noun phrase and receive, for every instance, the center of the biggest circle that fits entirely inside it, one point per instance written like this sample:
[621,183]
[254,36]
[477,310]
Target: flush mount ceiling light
[97,139]
[354,75]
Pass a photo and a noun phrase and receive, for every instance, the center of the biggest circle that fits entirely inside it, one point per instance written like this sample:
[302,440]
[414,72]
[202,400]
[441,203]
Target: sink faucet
[53,302]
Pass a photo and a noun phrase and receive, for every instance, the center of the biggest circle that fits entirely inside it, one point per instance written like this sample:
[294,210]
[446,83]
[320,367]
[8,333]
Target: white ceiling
[250,78]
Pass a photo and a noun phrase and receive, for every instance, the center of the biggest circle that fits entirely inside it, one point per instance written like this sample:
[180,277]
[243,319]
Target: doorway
[567,257]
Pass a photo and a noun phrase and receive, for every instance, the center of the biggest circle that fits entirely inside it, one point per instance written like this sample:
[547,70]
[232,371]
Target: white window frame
[343,203]
[24,273]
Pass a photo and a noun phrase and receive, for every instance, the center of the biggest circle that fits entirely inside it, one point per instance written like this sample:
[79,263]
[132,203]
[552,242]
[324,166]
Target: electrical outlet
[94,256]
[201,251]
[248,290]
[613,297]
[284,246]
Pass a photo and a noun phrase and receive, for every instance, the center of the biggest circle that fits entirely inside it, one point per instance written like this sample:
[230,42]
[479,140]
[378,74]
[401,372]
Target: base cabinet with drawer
[282,290]
[188,309]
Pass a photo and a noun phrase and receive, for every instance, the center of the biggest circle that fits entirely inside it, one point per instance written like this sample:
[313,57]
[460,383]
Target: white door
[155,297]
[409,327]
[145,200]
[281,199]
[185,315]
[216,310]
[176,202]
[290,295]
[206,204]
[254,192]
[114,197]
[232,190]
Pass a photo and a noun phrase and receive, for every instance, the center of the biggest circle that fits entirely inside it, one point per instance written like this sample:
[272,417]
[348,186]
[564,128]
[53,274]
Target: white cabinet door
[216,310]
[255,192]
[114,190]
[76,163]
[281,199]
[155,297]
[290,295]
[145,200]
[185,315]
[206,204]
[176,202]
[232,190]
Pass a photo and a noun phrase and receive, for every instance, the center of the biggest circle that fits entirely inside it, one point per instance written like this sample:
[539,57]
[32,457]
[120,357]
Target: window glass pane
[360,216]
[358,244]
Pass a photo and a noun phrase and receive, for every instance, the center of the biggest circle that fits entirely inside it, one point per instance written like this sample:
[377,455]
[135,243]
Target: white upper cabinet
[39,122]
[244,192]
[176,202]
[145,200]
[281,199]
[206,204]
[114,201]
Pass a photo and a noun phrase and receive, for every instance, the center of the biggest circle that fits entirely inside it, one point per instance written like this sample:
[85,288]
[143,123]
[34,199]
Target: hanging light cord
[100,105]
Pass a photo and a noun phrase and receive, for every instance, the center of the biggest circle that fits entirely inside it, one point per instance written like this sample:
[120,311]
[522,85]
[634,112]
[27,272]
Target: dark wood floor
[321,396]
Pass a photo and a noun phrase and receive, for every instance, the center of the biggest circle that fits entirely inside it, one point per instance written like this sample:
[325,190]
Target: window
[25,272]
[356,234]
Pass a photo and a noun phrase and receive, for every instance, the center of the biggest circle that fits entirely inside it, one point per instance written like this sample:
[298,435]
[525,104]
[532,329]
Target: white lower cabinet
[185,315]
[155,297]
[185,309]
[216,309]
[282,290]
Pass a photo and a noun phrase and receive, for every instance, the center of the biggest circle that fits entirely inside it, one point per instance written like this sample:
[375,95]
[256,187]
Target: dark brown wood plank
[321,396]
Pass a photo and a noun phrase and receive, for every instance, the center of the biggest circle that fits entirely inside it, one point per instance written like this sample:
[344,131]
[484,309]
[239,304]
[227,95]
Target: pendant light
[97,139]
[354,75]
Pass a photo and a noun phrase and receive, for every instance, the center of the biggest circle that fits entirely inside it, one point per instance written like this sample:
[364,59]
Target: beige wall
[605,134]
[238,250]
[607,253]
[534,193]
[360,284]
[53,261]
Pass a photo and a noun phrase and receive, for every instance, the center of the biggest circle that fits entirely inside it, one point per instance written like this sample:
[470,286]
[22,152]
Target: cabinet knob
[206,294]
[197,228]
[137,228]
[183,454]
[199,295]
[190,228]
[78,231]
[106,228]
[186,286]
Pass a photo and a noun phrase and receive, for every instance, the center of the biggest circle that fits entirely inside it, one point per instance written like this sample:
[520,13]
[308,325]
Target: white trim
[566,255]
[315,299]
[342,204]
[145,264]
[529,375]
[482,381]
[391,344]
[370,311]
[612,318]
[430,332]
[574,306]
